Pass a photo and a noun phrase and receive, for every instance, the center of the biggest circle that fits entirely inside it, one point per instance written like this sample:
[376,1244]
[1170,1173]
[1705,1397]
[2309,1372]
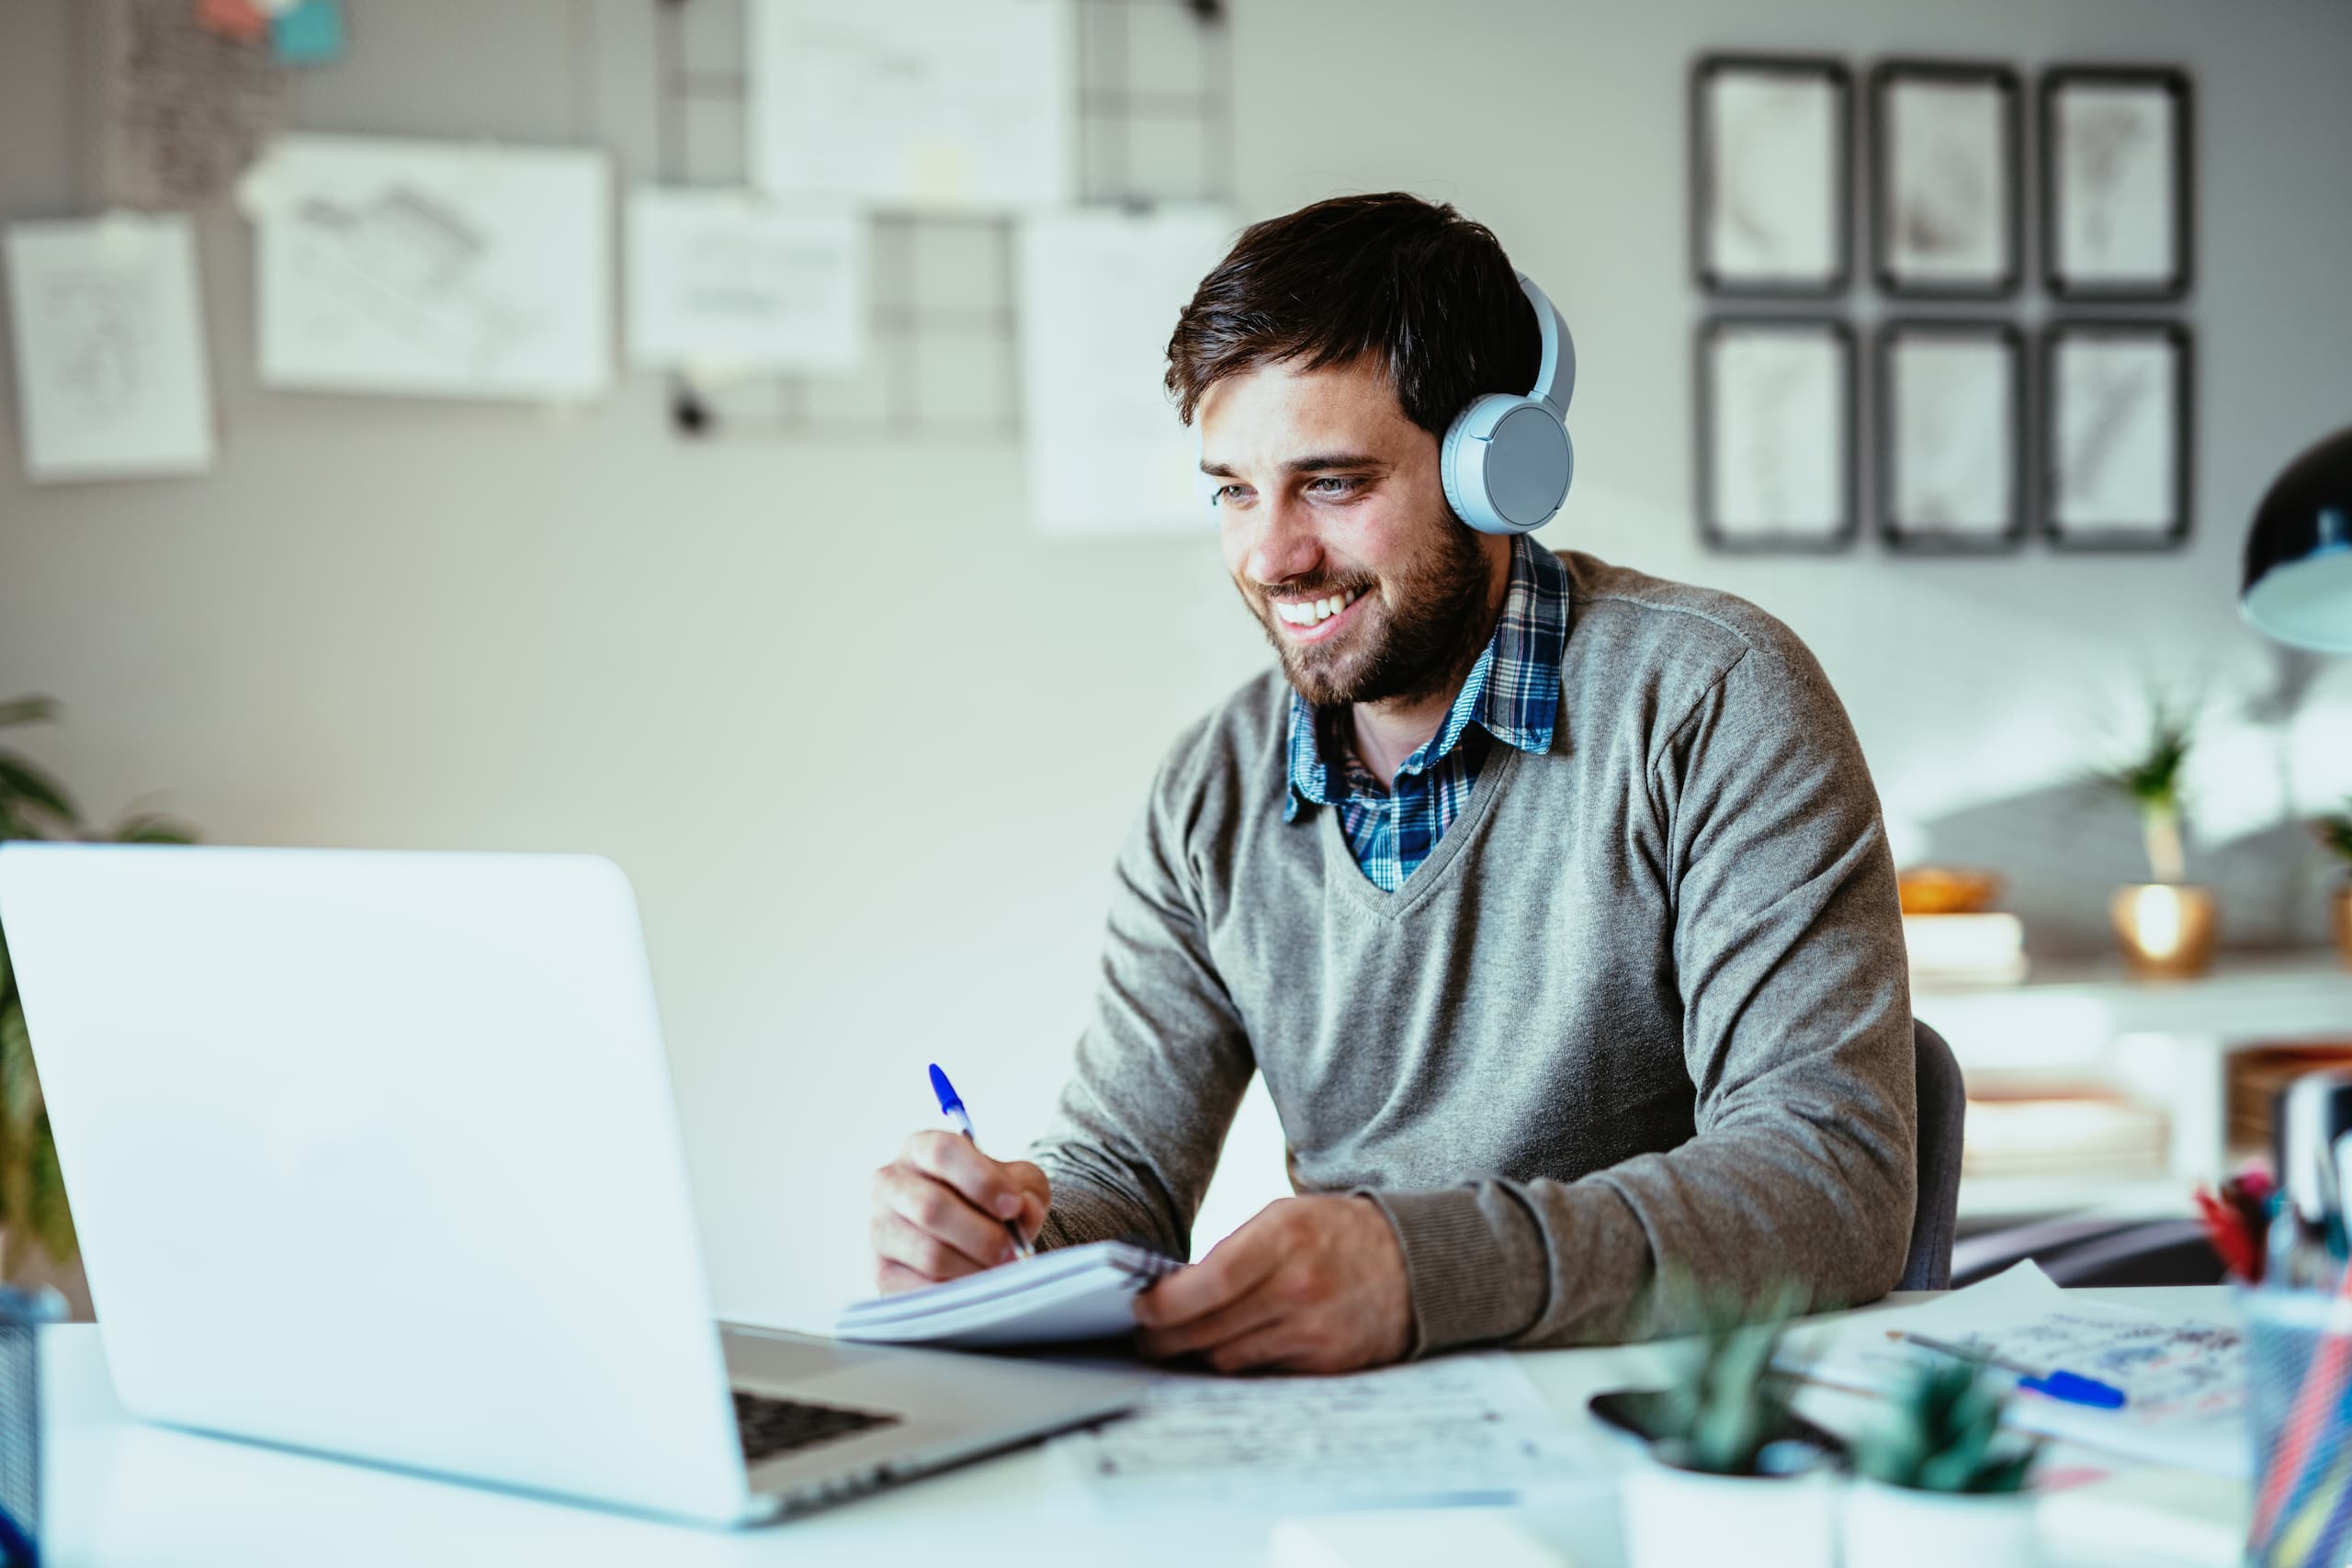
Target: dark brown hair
[1424,290]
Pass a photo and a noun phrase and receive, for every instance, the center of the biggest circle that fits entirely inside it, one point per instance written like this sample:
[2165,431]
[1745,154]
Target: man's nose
[1286,546]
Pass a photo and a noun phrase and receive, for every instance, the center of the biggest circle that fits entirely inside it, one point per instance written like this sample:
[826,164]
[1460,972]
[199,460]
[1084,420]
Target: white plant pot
[1679,1518]
[1892,1526]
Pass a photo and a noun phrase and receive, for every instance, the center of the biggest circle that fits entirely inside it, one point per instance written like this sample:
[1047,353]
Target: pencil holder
[21,1314]
[2299,1346]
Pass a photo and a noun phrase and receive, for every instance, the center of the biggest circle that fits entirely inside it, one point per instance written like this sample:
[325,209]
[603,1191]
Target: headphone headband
[1556,370]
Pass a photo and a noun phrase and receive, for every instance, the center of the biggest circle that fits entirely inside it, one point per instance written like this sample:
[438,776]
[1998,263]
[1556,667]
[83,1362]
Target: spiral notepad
[1071,1293]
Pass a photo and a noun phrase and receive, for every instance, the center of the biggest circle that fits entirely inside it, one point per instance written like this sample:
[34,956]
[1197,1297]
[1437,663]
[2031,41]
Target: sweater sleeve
[1162,1063]
[1787,947]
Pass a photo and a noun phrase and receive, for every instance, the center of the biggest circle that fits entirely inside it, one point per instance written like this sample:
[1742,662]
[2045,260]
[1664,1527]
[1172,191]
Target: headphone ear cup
[1506,464]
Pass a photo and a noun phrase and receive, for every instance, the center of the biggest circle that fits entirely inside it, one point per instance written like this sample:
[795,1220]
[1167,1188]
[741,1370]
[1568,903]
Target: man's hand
[940,1208]
[1310,1285]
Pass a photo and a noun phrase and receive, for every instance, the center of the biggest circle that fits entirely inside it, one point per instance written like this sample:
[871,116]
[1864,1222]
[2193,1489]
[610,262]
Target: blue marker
[2072,1387]
[950,1105]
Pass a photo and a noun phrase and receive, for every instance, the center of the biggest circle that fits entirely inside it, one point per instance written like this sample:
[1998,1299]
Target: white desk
[120,1492]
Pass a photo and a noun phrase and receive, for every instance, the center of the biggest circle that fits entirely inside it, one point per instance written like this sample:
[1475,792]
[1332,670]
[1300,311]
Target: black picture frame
[2176,420]
[2085,284]
[1745,535]
[1717,275]
[1924,536]
[1892,209]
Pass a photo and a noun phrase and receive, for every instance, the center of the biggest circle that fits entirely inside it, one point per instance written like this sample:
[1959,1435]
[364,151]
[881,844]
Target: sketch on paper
[2116,179]
[2118,434]
[112,374]
[1100,292]
[1950,469]
[429,268]
[1776,434]
[1429,1433]
[1947,180]
[725,282]
[1772,179]
[181,110]
[922,103]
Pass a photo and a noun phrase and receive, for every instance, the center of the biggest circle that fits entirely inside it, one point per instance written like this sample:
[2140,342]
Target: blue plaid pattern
[1513,694]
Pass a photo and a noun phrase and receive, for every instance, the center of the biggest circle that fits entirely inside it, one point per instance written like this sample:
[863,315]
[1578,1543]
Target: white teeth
[1310,613]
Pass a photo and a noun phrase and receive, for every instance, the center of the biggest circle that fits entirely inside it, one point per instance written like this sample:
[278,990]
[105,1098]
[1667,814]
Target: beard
[1425,625]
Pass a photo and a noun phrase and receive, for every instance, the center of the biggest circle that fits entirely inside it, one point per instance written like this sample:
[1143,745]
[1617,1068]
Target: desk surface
[121,1493]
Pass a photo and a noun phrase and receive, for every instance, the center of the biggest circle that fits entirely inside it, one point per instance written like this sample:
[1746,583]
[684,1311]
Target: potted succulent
[1736,1476]
[2335,832]
[1941,1485]
[2167,925]
[36,1225]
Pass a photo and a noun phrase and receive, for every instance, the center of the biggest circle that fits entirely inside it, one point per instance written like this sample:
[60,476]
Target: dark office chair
[1943,1108]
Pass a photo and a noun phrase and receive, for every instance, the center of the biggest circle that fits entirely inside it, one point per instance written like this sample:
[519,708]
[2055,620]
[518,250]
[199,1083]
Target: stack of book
[1953,934]
[2046,1130]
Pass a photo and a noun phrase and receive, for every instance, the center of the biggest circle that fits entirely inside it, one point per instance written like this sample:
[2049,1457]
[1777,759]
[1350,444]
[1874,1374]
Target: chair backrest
[1943,1106]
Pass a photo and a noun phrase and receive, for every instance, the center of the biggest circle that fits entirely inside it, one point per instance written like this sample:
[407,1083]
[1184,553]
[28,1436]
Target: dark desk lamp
[2298,584]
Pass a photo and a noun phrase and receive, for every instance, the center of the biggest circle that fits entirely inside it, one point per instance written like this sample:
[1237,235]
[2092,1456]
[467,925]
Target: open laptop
[374,1154]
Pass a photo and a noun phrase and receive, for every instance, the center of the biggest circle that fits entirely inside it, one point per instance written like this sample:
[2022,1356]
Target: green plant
[1731,1401]
[2152,780]
[1942,1432]
[33,1209]
[2336,834]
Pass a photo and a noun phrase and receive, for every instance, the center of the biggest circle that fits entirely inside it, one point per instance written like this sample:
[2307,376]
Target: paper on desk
[111,376]
[2184,1381]
[1462,1429]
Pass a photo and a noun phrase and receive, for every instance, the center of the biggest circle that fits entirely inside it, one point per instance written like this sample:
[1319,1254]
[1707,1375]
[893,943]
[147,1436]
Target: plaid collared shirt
[1513,694]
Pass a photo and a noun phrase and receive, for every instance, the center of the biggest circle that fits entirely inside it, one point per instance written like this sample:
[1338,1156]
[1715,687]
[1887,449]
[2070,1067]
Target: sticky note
[309,33]
[239,19]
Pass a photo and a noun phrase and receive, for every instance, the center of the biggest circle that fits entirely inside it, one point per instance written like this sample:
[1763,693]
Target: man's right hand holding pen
[941,1209]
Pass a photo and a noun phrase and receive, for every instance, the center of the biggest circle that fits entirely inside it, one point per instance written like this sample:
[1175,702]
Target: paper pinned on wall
[111,376]
[181,110]
[1100,292]
[925,103]
[725,283]
[431,269]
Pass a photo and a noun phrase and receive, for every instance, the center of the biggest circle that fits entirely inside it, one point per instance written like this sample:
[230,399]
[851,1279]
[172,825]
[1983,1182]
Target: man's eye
[1334,484]
[1224,493]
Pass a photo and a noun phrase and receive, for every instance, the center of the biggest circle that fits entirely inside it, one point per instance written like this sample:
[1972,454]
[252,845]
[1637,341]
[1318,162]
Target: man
[1551,899]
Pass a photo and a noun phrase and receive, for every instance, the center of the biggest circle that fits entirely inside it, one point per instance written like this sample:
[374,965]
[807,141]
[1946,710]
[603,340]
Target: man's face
[1336,533]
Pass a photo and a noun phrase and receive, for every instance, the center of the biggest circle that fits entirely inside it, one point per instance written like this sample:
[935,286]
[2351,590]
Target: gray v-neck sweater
[1644,1010]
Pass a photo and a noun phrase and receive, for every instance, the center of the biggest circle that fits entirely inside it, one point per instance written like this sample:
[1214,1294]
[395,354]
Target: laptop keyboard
[772,1426]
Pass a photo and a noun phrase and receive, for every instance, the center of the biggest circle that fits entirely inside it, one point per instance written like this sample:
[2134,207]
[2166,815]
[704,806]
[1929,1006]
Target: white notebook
[1071,1292]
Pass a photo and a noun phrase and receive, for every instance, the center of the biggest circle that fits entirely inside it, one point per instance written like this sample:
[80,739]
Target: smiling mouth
[1312,617]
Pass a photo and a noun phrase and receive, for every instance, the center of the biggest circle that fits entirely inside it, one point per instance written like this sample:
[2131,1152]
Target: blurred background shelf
[2103,1063]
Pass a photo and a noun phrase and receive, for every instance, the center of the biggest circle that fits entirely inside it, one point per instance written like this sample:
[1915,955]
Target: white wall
[866,743]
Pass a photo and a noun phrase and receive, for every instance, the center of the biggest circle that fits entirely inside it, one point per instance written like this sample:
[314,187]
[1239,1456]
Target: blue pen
[2072,1387]
[950,1105]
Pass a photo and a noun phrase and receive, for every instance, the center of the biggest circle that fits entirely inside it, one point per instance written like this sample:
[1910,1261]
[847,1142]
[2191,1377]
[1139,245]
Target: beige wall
[866,742]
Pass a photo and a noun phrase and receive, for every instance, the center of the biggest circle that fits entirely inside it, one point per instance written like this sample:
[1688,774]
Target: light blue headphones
[1507,459]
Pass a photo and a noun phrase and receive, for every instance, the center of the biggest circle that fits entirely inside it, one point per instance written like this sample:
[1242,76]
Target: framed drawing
[2117,430]
[2115,182]
[1772,188]
[1944,153]
[1776,434]
[1952,436]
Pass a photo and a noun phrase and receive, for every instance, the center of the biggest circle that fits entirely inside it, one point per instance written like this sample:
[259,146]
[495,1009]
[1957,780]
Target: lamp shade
[2298,584]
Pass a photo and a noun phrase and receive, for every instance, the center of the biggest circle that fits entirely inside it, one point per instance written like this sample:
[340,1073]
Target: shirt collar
[1513,692]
